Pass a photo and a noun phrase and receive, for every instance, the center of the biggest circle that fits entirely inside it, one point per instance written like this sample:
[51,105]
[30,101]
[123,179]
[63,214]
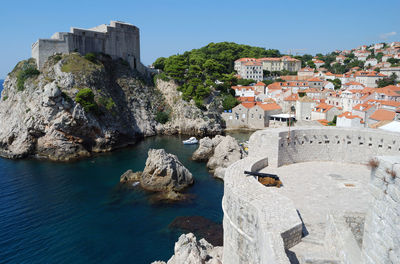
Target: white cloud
[387,35]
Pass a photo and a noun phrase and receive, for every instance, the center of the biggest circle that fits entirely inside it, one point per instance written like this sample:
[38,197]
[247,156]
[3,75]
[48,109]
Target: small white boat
[190,141]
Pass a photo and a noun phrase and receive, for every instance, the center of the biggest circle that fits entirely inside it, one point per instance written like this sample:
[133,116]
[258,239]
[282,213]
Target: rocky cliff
[77,106]
[186,118]
[190,251]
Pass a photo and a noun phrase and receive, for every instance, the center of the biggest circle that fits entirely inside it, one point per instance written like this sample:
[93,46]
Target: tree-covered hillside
[198,70]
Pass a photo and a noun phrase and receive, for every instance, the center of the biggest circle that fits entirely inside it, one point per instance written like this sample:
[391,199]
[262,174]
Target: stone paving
[316,189]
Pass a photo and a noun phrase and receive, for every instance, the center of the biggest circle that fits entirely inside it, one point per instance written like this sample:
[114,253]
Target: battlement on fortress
[260,223]
[118,39]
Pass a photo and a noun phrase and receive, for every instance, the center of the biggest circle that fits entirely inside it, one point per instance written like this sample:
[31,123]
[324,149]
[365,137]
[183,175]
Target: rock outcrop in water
[77,106]
[163,173]
[190,251]
[220,152]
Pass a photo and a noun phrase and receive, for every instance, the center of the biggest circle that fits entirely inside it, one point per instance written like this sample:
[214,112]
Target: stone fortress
[331,208]
[119,40]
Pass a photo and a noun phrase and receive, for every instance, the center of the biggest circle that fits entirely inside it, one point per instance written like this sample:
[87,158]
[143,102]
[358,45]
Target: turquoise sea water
[75,212]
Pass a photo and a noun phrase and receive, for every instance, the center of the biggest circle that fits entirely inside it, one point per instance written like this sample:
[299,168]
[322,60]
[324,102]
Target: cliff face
[78,106]
[186,118]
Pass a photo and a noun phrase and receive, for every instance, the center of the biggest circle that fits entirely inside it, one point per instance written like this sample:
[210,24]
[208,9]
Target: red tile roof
[315,79]
[245,99]
[292,97]
[324,107]
[382,114]
[268,106]
[363,107]
[248,104]
[349,115]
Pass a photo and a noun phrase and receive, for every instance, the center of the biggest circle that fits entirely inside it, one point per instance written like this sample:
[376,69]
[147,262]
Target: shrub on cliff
[91,57]
[85,97]
[25,73]
[162,117]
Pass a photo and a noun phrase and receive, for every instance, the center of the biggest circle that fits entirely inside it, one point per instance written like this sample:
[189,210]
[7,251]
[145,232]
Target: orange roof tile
[292,97]
[382,114]
[362,107]
[245,99]
[349,115]
[248,104]
[260,84]
[268,106]
[274,86]
[315,79]
[324,107]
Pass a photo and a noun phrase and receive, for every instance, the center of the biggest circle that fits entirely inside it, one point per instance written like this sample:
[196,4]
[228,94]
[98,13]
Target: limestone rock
[130,176]
[164,172]
[225,153]
[186,118]
[42,118]
[190,251]
[205,150]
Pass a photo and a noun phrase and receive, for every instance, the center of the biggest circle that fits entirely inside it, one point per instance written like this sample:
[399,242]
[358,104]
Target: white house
[369,78]
[244,91]
[347,119]
[391,70]
[371,62]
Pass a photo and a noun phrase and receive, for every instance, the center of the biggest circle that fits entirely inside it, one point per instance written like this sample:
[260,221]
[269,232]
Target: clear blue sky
[174,26]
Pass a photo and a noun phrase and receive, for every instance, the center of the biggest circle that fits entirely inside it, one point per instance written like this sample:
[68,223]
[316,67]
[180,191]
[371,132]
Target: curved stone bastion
[259,222]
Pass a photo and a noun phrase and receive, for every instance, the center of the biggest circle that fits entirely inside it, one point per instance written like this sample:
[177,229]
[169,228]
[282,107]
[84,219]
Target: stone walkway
[316,189]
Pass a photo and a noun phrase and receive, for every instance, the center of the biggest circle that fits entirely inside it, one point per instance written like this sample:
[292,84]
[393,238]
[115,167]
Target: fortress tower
[119,40]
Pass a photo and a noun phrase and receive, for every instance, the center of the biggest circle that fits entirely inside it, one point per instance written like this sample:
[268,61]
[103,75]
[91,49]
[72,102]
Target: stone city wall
[322,144]
[259,223]
[253,228]
[381,240]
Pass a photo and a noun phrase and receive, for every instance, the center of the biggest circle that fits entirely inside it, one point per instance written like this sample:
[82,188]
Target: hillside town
[348,88]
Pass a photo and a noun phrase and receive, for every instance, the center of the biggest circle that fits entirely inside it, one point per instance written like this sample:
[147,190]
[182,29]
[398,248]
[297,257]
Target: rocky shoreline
[75,107]
[188,250]
[219,152]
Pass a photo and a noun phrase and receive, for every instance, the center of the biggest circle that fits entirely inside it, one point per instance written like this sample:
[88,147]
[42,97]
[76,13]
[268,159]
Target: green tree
[176,66]
[387,81]
[337,83]
[229,102]
[159,63]
[311,64]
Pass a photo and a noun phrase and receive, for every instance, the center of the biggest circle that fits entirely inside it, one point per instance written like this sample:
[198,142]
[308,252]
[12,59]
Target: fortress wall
[119,40]
[259,223]
[44,48]
[381,240]
[253,228]
[322,144]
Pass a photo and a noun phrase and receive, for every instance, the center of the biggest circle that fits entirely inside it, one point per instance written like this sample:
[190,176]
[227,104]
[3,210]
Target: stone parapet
[381,240]
[322,144]
[253,228]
